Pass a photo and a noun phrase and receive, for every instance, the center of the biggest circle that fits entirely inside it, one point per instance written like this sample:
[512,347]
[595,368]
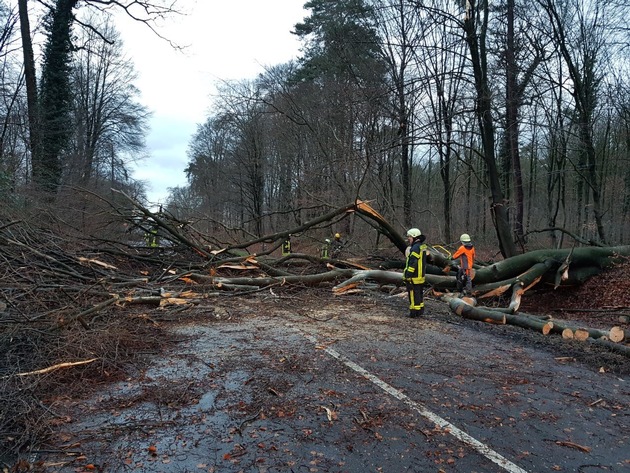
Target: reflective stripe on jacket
[415,266]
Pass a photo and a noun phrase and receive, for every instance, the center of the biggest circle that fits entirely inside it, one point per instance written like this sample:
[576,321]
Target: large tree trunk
[475,38]
[610,338]
[31,82]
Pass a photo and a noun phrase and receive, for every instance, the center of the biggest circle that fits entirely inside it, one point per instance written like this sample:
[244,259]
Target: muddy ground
[305,381]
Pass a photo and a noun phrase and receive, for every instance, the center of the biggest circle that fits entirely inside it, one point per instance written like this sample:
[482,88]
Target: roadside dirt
[303,381]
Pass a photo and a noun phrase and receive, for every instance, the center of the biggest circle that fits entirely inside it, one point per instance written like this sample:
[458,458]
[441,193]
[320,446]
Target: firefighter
[286,246]
[415,268]
[465,256]
[325,253]
[336,246]
[151,236]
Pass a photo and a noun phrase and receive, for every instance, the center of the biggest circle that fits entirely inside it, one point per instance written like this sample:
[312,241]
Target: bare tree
[108,123]
[585,35]
[53,100]
[401,32]
[523,52]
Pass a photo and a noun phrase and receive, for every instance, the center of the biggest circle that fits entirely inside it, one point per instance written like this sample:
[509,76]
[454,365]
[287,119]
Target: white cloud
[225,40]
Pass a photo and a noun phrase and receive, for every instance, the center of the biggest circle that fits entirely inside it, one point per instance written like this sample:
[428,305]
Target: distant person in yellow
[415,269]
[286,246]
[325,253]
[466,256]
[152,237]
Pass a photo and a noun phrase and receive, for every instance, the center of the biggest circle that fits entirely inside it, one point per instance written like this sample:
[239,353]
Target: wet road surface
[349,386]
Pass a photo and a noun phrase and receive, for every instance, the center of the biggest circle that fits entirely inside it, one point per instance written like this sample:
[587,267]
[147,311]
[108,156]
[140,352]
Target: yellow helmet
[337,235]
[413,233]
[465,238]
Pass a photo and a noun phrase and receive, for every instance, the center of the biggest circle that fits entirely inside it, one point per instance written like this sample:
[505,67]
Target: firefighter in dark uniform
[415,269]
[286,246]
[151,236]
[336,246]
[325,253]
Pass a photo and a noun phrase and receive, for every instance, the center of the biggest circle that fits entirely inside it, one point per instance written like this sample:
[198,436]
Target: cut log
[617,334]
[526,321]
[469,312]
[547,328]
[581,334]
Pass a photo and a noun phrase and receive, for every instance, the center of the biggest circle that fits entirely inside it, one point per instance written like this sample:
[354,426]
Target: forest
[506,120]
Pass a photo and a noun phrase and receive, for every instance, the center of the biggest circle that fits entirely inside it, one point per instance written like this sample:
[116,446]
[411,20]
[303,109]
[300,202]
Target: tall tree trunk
[445,134]
[476,40]
[31,83]
[406,168]
[582,58]
[511,127]
[55,95]
[593,181]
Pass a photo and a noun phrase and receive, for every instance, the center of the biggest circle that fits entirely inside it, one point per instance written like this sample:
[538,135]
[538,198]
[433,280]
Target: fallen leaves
[330,414]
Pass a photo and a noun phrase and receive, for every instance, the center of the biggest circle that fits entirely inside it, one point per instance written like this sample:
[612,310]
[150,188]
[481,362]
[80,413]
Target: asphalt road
[349,385]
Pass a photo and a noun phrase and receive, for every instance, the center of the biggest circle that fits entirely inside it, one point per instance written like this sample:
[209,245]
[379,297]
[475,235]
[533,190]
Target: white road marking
[459,434]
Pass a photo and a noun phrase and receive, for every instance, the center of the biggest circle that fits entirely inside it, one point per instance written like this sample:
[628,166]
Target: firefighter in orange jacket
[415,268]
[466,255]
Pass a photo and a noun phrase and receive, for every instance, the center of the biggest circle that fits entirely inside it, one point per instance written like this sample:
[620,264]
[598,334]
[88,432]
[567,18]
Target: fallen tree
[611,338]
[76,306]
[560,266]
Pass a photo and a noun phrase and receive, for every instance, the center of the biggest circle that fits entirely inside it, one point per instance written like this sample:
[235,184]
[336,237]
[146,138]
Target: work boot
[420,312]
[412,314]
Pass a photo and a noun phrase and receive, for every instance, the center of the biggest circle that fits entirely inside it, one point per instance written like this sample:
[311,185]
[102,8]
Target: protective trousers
[416,298]
[464,281]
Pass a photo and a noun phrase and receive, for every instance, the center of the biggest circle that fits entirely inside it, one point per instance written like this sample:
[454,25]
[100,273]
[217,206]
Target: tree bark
[460,307]
[30,78]
[476,40]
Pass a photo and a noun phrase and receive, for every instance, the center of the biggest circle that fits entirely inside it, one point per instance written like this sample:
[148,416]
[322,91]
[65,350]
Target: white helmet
[414,233]
[465,238]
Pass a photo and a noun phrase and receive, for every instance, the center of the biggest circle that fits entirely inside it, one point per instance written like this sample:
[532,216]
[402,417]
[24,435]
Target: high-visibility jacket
[466,255]
[325,251]
[415,265]
[286,247]
[152,238]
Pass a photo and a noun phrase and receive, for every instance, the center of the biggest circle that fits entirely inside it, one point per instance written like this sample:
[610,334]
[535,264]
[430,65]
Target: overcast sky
[228,39]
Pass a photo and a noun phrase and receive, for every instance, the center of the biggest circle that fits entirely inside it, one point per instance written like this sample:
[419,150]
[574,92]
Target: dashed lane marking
[456,432]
